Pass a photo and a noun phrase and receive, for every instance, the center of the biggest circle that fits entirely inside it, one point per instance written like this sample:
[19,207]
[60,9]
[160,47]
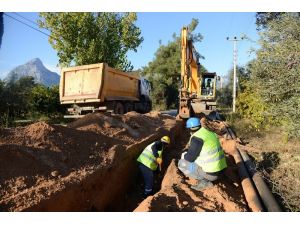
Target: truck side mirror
[218,78]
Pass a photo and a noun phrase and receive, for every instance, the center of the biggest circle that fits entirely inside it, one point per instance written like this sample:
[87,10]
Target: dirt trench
[175,194]
[134,197]
[86,166]
[90,165]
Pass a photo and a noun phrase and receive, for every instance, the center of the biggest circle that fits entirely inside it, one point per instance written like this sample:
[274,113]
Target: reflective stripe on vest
[212,157]
[148,159]
[209,160]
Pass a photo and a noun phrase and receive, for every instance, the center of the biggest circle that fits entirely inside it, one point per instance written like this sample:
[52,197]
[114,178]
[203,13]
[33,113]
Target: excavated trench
[67,169]
[116,183]
[116,188]
[134,195]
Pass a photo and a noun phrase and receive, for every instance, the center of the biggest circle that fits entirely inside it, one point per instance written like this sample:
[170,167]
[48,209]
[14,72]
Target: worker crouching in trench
[150,160]
[205,159]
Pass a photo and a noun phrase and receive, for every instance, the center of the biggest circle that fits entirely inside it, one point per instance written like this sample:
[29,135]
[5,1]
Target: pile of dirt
[41,160]
[129,127]
[91,163]
[219,127]
[176,195]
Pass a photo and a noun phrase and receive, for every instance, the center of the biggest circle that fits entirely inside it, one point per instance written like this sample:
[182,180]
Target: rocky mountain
[36,69]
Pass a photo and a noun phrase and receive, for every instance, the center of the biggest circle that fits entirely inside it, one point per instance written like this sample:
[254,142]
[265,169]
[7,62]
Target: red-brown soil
[40,161]
[176,195]
[90,165]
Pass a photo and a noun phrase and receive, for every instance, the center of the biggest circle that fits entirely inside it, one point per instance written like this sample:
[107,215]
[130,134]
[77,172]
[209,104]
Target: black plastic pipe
[263,190]
[250,192]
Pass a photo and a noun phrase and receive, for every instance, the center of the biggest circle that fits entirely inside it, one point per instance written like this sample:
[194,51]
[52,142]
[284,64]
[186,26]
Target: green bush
[45,101]
[24,99]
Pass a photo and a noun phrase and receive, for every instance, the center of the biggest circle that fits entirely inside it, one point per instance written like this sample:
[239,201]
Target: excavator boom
[198,90]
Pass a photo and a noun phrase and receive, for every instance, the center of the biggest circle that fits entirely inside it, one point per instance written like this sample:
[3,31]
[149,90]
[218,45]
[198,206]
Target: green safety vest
[148,159]
[212,157]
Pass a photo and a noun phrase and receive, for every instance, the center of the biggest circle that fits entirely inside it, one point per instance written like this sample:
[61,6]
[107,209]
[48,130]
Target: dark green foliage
[272,95]
[45,100]
[24,99]
[87,38]
[16,97]
[263,18]
[224,97]
[164,70]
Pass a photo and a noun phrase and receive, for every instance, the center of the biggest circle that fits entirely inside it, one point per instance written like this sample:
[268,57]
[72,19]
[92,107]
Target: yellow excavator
[197,93]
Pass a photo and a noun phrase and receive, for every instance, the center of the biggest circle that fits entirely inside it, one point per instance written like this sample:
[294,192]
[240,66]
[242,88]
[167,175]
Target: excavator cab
[208,86]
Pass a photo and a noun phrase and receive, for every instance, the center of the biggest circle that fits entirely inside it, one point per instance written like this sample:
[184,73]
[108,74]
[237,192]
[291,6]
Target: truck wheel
[119,108]
[128,107]
[148,106]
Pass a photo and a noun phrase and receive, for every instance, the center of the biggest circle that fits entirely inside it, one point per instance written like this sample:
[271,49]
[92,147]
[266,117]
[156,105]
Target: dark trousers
[148,178]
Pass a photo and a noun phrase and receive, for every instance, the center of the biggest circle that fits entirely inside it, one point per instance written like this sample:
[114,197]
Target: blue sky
[20,43]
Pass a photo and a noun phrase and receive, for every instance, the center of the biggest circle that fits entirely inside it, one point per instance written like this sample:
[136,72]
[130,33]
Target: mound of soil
[41,160]
[176,195]
[90,165]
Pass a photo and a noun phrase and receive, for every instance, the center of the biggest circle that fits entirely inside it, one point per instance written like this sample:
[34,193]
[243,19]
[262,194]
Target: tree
[2,100]
[87,38]
[45,100]
[164,70]
[275,72]
[264,18]
[15,99]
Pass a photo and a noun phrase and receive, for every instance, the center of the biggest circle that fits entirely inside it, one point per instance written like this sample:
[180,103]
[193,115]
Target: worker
[209,87]
[151,159]
[205,159]
[208,84]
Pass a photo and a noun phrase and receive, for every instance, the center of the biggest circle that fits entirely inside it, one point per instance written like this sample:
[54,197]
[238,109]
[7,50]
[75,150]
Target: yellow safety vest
[212,157]
[148,159]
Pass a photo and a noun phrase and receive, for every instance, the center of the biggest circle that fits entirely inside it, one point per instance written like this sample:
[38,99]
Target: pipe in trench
[265,194]
[251,195]
[263,190]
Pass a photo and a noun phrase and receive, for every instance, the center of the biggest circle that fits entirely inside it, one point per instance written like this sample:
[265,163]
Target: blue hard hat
[193,122]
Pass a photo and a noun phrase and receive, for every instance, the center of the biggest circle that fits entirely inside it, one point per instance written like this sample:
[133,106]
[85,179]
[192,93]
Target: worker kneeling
[151,159]
[205,159]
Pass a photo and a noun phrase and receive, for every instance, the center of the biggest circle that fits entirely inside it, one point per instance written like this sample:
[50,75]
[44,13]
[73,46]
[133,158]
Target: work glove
[159,161]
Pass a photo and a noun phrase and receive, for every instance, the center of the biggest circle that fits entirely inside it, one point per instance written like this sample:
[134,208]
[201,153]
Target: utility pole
[234,40]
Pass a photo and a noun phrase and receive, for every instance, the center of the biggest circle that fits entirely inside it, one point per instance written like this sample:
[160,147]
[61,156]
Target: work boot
[202,184]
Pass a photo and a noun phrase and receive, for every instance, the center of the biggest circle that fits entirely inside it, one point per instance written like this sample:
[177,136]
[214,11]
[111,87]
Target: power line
[23,17]
[28,25]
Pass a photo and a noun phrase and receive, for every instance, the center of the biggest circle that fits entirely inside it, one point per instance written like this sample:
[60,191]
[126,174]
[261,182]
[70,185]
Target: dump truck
[98,87]
[197,93]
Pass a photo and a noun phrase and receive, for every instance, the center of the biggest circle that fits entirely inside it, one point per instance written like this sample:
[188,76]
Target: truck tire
[148,106]
[128,107]
[119,108]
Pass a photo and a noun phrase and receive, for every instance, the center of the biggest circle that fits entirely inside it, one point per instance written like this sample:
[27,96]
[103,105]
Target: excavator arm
[197,92]
[190,79]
